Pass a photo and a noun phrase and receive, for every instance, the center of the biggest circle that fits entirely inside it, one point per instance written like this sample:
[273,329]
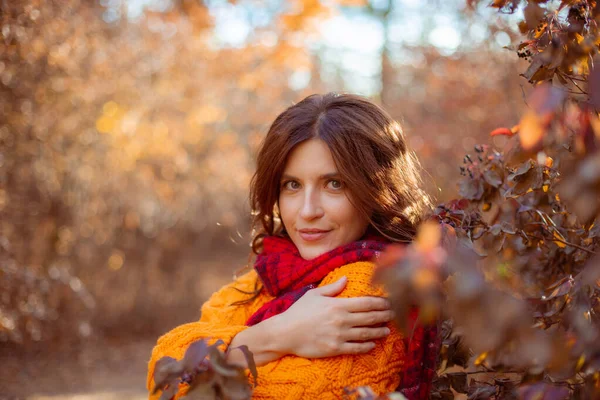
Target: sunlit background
[127,137]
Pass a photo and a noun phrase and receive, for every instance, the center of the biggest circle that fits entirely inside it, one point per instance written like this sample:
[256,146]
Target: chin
[313,252]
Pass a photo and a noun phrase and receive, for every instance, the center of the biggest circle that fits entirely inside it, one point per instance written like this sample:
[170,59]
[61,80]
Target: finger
[332,289]
[367,303]
[369,318]
[365,334]
[356,348]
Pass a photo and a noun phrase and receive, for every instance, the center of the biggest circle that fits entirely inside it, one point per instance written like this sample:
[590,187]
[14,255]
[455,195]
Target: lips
[311,235]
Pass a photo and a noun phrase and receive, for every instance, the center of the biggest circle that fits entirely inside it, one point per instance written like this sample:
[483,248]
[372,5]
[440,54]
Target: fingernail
[387,331]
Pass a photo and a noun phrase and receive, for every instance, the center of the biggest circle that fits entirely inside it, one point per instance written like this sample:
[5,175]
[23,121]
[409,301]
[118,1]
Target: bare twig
[555,239]
[524,96]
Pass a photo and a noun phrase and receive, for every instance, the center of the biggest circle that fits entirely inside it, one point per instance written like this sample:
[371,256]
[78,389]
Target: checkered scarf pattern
[287,276]
[423,346]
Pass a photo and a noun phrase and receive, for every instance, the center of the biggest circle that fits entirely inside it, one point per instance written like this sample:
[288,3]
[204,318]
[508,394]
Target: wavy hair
[369,149]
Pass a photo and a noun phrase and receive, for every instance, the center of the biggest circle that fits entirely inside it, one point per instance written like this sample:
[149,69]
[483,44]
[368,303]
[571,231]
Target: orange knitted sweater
[292,377]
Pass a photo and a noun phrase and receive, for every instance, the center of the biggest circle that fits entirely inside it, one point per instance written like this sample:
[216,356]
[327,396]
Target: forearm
[264,340]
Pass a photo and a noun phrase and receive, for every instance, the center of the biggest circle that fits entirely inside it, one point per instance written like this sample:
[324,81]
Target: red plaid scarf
[422,349]
[287,276]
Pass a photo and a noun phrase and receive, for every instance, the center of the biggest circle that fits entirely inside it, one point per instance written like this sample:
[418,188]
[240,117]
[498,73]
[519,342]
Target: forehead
[311,157]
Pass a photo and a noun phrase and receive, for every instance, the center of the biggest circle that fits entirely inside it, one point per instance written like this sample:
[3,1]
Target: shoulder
[247,282]
[360,279]
[248,279]
[362,270]
[242,288]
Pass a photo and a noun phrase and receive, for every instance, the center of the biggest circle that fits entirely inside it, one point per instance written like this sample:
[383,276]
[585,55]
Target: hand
[320,325]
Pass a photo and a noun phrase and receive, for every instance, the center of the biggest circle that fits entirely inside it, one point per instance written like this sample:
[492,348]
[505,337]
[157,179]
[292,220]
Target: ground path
[98,370]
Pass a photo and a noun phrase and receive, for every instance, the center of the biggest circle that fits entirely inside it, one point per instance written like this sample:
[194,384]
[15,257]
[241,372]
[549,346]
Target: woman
[334,184]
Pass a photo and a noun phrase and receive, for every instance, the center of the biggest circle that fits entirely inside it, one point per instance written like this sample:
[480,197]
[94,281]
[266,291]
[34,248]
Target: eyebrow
[321,177]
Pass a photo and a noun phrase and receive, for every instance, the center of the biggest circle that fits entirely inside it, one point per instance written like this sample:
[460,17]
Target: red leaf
[502,132]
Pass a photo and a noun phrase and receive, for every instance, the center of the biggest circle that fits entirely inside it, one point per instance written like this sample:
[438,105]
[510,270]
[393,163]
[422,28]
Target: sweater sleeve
[220,319]
[293,377]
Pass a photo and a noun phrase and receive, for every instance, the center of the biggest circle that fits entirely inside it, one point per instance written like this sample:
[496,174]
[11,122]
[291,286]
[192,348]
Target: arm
[261,339]
[294,377]
[219,320]
[318,325]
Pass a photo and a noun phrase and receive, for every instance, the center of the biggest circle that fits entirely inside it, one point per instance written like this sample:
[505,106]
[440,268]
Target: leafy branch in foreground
[512,265]
[518,273]
[206,374]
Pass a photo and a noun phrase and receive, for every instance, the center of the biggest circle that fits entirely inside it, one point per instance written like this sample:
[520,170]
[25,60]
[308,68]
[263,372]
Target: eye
[291,185]
[335,184]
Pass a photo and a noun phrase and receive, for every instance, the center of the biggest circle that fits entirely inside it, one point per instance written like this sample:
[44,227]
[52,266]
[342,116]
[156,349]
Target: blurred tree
[112,140]
[126,141]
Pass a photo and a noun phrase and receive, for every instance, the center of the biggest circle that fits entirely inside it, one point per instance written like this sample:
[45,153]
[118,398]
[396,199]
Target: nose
[311,208]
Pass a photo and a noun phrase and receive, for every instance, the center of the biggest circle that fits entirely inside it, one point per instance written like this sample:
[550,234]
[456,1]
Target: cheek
[286,210]
[347,217]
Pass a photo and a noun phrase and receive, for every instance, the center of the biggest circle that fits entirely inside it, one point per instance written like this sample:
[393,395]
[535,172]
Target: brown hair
[368,147]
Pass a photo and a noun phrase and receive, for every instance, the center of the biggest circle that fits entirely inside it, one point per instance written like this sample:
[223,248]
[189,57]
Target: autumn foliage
[516,261]
[122,146]
[206,372]
[117,138]
[126,149]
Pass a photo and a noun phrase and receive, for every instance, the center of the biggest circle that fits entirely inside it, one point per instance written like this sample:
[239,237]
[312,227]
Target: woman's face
[314,203]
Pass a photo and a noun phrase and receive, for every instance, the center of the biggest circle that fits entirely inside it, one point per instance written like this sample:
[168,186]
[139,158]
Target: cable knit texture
[292,377]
